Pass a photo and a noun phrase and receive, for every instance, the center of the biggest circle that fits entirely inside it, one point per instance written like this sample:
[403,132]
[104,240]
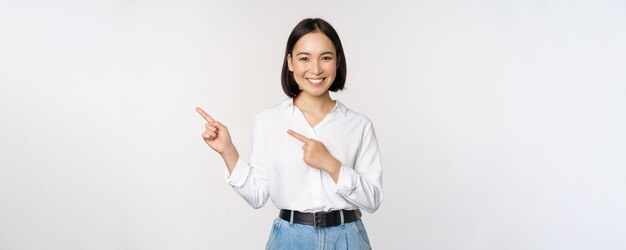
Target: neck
[309,103]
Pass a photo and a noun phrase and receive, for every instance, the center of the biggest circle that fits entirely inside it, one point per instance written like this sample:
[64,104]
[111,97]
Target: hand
[316,155]
[216,135]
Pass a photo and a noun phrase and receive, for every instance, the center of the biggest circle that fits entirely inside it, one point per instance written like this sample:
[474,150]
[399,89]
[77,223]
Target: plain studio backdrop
[500,123]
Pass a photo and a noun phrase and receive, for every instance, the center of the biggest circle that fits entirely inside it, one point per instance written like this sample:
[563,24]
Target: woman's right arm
[247,179]
[216,135]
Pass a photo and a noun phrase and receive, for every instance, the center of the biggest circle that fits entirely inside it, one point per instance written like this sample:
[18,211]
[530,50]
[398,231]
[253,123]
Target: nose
[317,68]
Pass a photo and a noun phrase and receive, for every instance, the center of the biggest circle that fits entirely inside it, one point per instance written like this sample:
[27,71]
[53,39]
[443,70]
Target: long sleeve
[250,180]
[362,185]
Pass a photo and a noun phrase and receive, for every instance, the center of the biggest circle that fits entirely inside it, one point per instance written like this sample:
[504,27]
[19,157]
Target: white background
[501,123]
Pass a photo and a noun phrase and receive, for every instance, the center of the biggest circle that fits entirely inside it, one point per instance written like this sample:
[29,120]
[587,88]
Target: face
[313,62]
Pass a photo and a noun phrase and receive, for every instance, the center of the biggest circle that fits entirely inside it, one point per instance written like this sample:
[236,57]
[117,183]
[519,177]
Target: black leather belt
[321,219]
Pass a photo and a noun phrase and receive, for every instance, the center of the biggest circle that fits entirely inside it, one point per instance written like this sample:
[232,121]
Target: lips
[315,81]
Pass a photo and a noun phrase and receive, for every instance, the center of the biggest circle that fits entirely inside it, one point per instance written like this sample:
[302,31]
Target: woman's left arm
[362,185]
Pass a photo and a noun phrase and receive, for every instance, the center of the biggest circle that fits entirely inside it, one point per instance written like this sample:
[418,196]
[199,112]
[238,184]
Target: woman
[316,159]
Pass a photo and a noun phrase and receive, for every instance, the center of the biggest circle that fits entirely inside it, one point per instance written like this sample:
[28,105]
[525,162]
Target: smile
[317,81]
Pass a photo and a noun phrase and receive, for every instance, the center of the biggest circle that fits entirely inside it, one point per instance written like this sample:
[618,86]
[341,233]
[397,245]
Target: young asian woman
[314,157]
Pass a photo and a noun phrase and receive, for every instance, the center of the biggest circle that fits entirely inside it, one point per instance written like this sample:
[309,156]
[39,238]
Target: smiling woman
[321,176]
[313,63]
[318,51]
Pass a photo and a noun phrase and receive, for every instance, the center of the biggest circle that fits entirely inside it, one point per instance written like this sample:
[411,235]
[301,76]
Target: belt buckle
[316,220]
[320,219]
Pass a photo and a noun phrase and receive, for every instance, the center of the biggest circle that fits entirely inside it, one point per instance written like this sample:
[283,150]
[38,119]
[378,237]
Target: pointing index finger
[206,116]
[300,137]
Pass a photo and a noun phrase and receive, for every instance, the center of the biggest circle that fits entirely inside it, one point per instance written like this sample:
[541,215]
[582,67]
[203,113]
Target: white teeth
[315,80]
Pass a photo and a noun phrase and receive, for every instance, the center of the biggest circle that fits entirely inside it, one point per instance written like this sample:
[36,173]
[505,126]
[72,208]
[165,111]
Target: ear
[289,63]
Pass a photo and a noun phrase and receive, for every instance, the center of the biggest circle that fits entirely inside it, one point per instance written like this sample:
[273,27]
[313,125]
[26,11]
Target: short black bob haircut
[304,27]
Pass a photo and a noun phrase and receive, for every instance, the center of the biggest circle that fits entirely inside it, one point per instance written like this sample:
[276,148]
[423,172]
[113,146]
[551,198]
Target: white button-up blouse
[277,170]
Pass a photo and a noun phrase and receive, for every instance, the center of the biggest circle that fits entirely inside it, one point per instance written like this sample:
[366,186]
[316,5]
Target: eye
[304,59]
[327,58]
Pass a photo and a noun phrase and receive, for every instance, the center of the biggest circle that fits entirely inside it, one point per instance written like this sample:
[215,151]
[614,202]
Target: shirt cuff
[346,182]
[239,175]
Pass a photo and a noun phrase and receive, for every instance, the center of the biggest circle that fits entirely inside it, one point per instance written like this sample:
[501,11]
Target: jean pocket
[362,233]
[274,233]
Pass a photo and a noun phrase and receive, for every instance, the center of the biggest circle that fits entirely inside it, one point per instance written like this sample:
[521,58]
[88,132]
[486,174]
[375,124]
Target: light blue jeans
[287,235]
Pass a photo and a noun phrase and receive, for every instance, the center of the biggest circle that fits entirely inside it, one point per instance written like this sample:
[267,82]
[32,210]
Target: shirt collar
[339,107]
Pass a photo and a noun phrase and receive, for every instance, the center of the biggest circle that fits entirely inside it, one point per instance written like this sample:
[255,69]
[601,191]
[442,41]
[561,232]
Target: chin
[315,92]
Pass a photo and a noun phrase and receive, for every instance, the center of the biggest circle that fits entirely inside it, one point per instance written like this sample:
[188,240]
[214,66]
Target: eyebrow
[308,54]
